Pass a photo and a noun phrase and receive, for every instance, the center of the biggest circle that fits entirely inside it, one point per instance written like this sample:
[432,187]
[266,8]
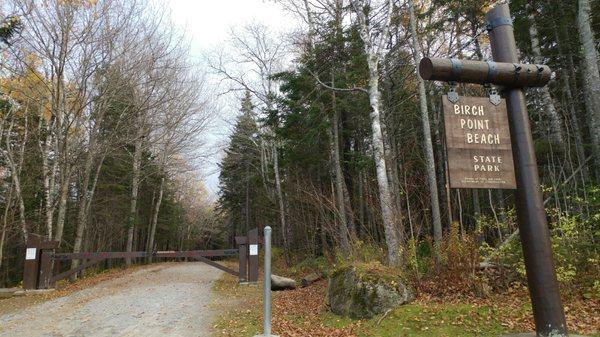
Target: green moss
[419,320]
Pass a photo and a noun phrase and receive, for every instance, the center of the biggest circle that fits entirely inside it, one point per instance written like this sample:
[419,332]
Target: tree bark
[135,186]
[15,169]
[7,207]
[373,51]
[591,75]
[150,244]
[82,210]
[343,224]
[556,122]
[429,158]
[284,227]
[62,206]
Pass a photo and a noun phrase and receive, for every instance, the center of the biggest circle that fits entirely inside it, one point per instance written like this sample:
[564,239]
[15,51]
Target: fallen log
[282,283]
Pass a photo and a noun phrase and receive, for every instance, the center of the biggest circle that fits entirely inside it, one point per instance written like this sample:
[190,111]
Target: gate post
[253,256]
[47,249]
[242,242]
[32,262]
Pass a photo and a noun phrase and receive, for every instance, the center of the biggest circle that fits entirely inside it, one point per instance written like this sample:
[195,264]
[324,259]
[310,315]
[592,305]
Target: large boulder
[366,290]
[282,283]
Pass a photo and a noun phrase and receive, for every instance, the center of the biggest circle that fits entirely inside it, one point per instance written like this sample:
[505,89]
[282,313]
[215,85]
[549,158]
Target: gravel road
[160,300]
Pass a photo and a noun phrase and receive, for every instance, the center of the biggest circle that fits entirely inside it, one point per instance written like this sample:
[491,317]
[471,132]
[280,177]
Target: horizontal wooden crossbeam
[173,254]
[482,72]
[70,272]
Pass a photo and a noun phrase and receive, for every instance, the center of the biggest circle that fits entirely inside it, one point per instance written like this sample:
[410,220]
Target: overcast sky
[207,24]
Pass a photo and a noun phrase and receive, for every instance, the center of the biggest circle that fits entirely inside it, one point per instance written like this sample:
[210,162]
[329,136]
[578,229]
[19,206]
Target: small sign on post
[30,253]
[478,143]
[253,250]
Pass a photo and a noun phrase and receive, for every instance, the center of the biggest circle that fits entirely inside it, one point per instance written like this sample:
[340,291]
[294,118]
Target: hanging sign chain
[452,93]
[492,93]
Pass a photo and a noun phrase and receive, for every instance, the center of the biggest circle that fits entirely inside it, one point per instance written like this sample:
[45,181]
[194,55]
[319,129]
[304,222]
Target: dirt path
[161,300]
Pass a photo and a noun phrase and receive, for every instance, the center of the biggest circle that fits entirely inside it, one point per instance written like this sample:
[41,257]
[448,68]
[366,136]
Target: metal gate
[41,260]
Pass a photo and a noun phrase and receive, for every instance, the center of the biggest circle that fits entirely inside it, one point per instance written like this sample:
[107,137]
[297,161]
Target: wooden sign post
[505,71]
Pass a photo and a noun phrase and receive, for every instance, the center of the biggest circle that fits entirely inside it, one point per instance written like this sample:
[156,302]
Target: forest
[343,154]
[102,113]
[338,143]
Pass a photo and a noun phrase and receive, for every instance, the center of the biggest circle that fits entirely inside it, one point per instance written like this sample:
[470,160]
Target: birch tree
[374,32]
[591,76]
[428,145]
[556,123]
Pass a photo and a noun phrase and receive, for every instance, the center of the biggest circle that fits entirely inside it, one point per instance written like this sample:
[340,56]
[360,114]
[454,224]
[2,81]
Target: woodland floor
[167,299]
[303,313]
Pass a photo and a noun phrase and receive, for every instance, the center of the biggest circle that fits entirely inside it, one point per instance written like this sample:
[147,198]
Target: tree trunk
[150,244]
[81,212]
[284,228]
[47,175]
[429,158]
[15,169]
[7,206]
[391,158]
[343,223]
[385,197]
[476,204]
[591,76]
[373,52]
[556,123]
[135,186]
[62,206]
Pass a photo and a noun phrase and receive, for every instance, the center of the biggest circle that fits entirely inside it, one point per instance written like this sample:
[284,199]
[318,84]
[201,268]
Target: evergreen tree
[242,194]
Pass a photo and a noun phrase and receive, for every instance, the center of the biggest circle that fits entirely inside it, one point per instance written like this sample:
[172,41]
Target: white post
[267,286]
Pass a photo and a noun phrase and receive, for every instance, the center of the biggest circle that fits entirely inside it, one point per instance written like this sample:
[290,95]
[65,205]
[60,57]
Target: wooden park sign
[478,143]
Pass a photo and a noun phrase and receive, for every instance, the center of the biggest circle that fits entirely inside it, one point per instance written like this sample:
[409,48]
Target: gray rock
[310,279]
[282,283]
[360,296]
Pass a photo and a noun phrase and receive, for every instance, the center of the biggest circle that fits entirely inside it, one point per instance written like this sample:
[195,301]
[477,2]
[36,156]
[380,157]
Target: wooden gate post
[47,249]
[253,256]
[32,263]
[242,242]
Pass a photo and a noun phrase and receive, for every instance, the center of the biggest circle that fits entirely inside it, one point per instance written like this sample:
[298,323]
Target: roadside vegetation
[448,303]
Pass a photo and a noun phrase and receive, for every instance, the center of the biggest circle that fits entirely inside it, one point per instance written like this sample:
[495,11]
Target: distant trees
[101,110]
[243,193]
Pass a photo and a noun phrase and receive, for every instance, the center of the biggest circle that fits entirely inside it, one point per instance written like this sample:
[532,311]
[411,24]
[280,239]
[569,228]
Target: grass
[428,320]
[302,313]
[243,317]
[240,305]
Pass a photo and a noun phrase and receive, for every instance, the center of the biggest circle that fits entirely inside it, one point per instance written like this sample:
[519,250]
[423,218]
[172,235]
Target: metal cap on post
[535,237]
[267,287]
